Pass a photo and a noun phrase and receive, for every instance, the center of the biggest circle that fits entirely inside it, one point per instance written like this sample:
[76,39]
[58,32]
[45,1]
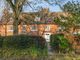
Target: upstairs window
[33,28]
[47,28]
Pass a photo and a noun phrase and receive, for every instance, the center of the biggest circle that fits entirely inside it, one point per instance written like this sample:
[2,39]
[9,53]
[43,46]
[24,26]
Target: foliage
[23,41]
[23,45]
[1,41]
[1,44]
[54,42]
[59,43]
[71,19]
[72,8]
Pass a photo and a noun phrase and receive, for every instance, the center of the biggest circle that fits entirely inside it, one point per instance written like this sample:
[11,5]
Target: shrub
[59,43]
[23,45]
[1,44]
[23,41]
[1,41]
[54,42]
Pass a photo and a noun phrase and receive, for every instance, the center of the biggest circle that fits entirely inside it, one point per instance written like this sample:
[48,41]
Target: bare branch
[11,4]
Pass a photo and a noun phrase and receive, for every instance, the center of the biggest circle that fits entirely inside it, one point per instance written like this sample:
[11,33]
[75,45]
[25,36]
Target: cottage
[44,30]
[31,24]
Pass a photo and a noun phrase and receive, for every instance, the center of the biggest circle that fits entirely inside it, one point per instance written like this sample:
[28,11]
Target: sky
[52,8]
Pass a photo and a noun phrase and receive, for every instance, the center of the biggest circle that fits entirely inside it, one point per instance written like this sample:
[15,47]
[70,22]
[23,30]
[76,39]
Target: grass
[64,57]
[34,54]
[30,53]
[52,57]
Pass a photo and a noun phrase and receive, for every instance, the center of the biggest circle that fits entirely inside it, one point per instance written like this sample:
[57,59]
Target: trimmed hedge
[59,43]
[22,45]
[1,41]
[22,41]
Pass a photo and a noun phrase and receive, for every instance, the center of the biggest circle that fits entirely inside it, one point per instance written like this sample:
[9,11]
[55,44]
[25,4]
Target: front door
[47,36]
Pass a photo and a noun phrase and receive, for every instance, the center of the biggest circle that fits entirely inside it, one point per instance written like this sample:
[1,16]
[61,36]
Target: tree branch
[11,4]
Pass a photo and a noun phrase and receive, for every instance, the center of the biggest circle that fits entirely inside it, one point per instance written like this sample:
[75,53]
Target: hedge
[22,41]
[22,45]
[1,41]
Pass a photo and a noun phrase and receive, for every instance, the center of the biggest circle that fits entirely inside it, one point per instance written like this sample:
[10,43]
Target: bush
[23,45]
[59,43]
[1,42]
[23,41]
[54,42]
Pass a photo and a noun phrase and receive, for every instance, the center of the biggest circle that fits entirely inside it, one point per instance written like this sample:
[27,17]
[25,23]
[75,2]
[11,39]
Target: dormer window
[37,19]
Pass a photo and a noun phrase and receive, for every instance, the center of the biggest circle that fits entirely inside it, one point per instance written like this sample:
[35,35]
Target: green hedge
[1,41]
[22,41]
[22,45]
[59,43]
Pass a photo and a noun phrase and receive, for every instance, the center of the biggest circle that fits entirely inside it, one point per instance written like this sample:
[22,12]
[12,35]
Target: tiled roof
[30,17]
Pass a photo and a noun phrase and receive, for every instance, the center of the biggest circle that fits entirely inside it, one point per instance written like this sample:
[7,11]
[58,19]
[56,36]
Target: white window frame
[37,19]
[31,28]
[47,27]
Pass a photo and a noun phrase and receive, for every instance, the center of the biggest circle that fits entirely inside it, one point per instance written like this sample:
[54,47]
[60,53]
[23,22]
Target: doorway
[47,36]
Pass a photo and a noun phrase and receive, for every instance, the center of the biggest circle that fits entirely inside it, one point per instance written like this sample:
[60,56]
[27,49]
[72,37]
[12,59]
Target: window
[23,28]
[47,28]
[10,28]
[33,28]
[37,19]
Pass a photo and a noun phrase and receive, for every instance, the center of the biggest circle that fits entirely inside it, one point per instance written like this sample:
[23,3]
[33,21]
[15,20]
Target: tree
[73,8]
[16,7]
[72,19]
[5,19]
[43,15]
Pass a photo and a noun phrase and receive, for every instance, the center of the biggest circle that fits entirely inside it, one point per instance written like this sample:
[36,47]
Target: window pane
[33,28]
[47,28]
